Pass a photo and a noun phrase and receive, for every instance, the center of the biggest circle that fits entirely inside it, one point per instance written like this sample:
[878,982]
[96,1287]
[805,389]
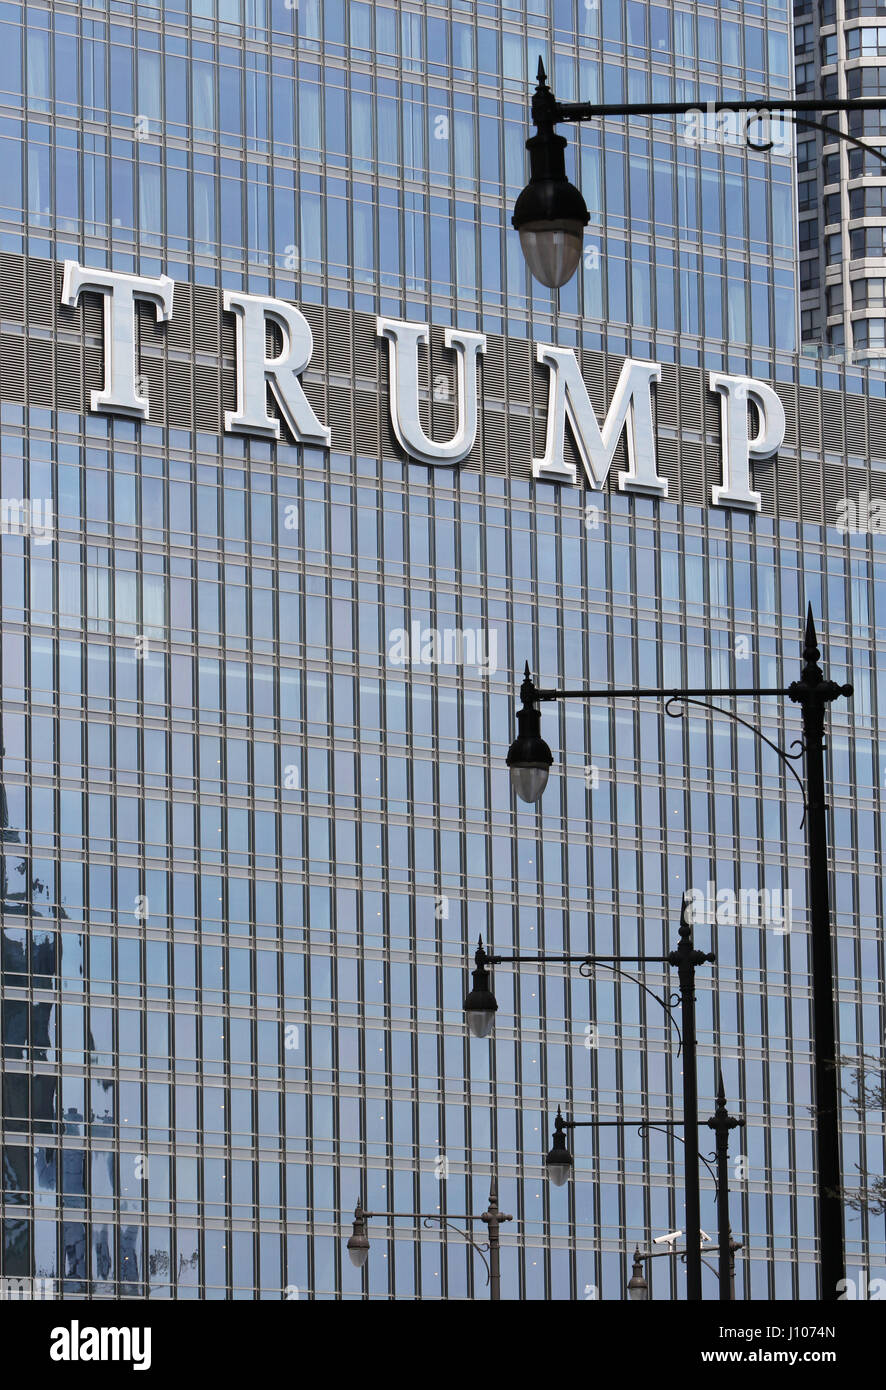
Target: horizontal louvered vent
[389,446]
[788,501]
[366,423]
[856,426]
[495,445]
[340,418]
[669,467]
[666,397]
[832,420]
[765,484]
[207,314]
[179,328]
[692,474]
[520,443]
[339,357]
[810,418]
[41,386]
[877,424]
[207,398]
[593,369]
[519,364]
[366,347]
[180,410]
[788,396]
[811,492]
[493,368]
[316,318]
[41,291]
[69,376]
[691,414]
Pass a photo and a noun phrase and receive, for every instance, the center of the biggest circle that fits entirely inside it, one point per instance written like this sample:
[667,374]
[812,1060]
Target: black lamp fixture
[550,214]
[358,1244]
[559,1162]
[480,1003]
[638,1289]
[529,757]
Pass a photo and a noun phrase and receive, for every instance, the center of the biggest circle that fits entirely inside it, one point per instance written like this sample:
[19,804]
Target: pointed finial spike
[685,922]
[526,672]
[541,74]
[811,652]
[721,1090]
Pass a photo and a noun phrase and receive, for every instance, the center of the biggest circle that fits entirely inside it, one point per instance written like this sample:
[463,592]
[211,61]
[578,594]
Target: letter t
[119,394]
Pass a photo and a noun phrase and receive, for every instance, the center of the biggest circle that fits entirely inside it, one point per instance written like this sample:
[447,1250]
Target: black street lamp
[551,215]
[480,1006]
[813,693]
[529,757]
[560,1164]
[721,1122]
[638,1289]
[358,1241]
[559,1161]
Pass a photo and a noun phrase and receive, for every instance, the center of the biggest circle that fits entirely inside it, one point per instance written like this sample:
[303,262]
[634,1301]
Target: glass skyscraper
[257,693]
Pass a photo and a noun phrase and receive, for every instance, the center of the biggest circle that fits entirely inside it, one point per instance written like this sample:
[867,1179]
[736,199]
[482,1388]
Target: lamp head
[480,1004]
[638,1289]
[550,214]
[559,1162]
[529,757]
[358,1244]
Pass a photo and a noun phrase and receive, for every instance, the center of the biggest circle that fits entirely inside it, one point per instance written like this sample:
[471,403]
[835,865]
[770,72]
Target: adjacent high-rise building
[840,50]
[273,559]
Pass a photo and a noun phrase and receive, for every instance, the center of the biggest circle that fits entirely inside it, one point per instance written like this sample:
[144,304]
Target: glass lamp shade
[559,1170]
[552,250]
[480,1022]
[358,1251]
[529,780]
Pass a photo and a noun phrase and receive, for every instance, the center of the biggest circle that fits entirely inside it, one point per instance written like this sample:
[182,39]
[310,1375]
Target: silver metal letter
[737,449]
[631,407]
[120,393]
[256,371]
[404,340]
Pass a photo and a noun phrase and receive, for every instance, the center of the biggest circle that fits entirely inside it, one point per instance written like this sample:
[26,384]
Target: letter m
[630,410]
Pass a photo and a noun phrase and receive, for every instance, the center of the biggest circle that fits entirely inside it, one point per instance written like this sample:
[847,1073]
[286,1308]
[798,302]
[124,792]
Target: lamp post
[551,215]
[813,693]
[721,1122]
[480,1006]
[493,1218]
[560,1165]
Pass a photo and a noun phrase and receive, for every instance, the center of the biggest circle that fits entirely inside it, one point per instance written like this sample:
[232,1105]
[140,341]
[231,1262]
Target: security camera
[670,1239]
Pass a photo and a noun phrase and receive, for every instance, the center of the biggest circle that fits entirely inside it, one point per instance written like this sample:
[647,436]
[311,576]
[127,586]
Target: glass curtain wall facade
[249,844]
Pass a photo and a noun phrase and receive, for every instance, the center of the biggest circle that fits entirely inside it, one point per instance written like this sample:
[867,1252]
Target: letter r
[256,371]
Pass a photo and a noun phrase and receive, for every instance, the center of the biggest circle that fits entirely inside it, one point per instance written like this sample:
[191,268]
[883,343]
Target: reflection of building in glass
[275,839]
